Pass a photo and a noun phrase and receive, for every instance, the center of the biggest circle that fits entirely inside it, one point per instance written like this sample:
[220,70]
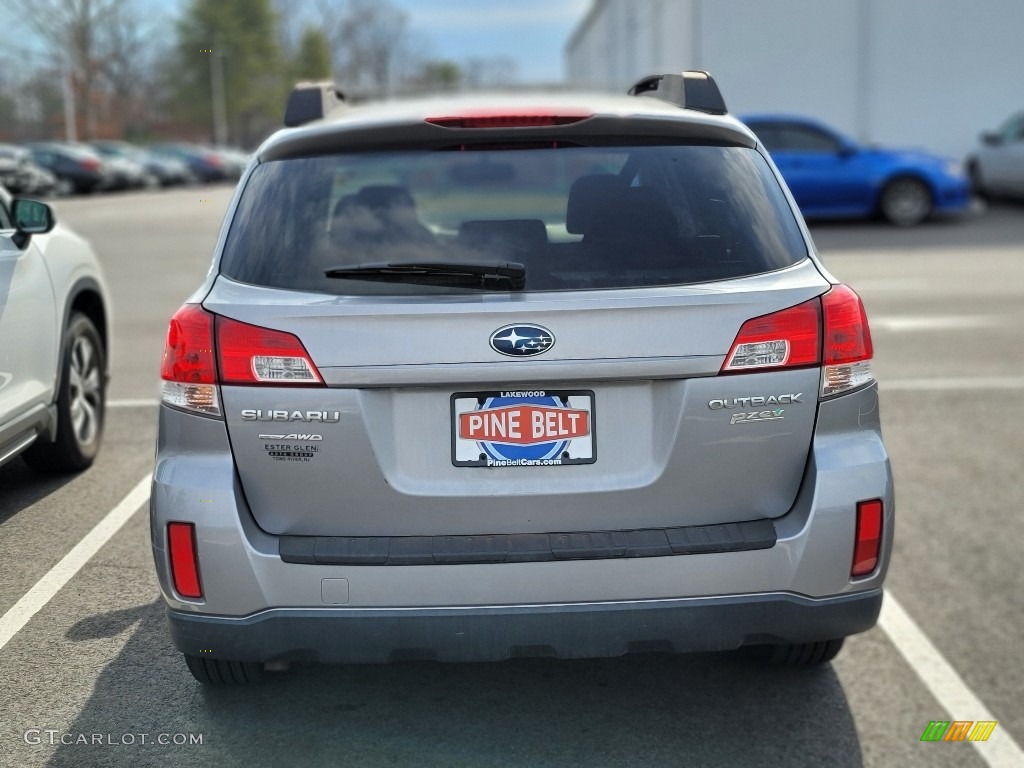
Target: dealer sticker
[523,428]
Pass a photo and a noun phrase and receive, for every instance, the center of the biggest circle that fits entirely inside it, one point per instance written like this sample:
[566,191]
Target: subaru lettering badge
[522,340]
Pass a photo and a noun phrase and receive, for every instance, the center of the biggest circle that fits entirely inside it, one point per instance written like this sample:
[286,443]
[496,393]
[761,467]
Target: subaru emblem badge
[522,340]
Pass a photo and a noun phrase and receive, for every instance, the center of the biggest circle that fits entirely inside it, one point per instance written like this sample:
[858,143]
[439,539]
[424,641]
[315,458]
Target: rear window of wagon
[576,217]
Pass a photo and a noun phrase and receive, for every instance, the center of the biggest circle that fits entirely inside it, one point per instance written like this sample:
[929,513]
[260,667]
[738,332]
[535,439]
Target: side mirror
[31,218]
[991,139]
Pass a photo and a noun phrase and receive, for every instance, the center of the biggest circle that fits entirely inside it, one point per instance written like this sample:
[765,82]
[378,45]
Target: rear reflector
[181,539]
[188,369]
[868,540]
[253,355]
[790,338]
[520,119]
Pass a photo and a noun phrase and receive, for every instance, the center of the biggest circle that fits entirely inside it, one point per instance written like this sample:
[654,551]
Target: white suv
[54,341]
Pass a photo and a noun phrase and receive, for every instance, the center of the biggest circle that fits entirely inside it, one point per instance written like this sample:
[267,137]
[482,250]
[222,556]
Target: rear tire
[801,654]
[224,672]
[905,201]
[81,403]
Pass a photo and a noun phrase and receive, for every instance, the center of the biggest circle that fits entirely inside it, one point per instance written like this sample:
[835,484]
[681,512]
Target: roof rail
[692,89]
[311,101]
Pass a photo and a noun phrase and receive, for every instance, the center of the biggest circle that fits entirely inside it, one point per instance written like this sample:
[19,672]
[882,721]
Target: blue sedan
[832,176]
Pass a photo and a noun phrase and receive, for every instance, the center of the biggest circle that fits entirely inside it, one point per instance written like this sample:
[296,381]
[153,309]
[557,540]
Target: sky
[531,32]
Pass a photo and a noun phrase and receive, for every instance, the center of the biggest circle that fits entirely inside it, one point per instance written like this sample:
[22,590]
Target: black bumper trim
[527,547]
[357,635]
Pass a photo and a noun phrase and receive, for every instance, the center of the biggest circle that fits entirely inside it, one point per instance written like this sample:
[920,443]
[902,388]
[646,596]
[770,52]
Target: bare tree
[370,42]
[94,43]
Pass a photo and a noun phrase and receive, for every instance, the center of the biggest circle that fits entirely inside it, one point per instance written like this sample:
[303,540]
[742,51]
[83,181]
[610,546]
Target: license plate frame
[565,438]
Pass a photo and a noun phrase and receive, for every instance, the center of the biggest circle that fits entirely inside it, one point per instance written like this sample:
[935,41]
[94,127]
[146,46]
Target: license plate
[523,428]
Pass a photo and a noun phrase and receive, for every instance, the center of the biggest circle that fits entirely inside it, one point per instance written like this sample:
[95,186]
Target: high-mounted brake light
[790,338]
[502,119]
[831,331]
[253,355]
[181,541]
[868,538]
[189,370]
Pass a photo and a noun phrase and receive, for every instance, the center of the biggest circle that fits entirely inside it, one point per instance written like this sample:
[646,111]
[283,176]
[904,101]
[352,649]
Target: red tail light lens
[790,338]
[519,119]
[90,164]
[189,369]
[868,540]
[188,354]
[847,348]
[253,355]
[181,540]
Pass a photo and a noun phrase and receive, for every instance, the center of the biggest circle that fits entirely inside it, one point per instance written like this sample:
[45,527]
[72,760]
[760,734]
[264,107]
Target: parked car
[204,164]
[54,326]
[77,168]
[126,170]
[156,171]
[832,176]
[15,172]
[485,377]
[996,167]
[41,183]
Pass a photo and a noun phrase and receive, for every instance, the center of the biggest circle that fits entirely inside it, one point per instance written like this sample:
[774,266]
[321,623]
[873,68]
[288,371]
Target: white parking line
[911,323]
[953,384]
[945,684]
[48,586]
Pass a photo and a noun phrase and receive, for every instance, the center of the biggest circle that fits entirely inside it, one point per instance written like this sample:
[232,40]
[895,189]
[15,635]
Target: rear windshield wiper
[496,277]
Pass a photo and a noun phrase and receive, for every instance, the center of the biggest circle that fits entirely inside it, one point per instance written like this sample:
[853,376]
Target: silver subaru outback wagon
[479,378]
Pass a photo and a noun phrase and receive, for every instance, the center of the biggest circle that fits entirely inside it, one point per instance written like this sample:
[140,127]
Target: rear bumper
[340,635]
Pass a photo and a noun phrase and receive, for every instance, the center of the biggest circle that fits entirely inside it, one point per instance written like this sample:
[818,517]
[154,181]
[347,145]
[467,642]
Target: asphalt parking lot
[88,675]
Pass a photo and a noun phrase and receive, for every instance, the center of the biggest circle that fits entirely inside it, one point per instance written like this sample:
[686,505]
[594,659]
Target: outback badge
[522,340]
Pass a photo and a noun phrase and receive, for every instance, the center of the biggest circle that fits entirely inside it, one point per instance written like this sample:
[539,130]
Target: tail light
[90,164]
[253,355]
[847,350]
[787,339]
[204,351]
[831,331]
[868,538]
[181,544]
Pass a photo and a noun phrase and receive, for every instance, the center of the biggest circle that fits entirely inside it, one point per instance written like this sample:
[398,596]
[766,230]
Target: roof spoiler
[312,101]
[692,89]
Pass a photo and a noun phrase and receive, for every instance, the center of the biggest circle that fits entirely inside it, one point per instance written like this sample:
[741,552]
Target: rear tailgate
[656,438]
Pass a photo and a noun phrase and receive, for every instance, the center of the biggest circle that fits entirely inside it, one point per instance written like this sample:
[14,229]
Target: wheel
[905,201]
[223,672]
[65,187]
[800,654]
[81,402]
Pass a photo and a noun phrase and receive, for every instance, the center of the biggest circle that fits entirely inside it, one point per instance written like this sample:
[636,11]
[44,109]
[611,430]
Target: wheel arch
[86,297]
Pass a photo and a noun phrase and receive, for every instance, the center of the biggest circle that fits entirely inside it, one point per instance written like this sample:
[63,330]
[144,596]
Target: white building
[921,73]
